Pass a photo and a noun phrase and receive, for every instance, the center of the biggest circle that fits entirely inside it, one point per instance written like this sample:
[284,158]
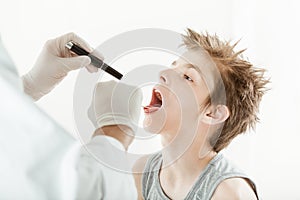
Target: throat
[179,178]
[187,165]
[176,187]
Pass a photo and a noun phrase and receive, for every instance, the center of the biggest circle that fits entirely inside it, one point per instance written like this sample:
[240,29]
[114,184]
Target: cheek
[188,99]
[172,107]
[202,95]
[182,104]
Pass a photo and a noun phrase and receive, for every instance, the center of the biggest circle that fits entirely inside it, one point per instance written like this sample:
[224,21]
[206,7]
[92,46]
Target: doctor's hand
[54,63]
[115,103]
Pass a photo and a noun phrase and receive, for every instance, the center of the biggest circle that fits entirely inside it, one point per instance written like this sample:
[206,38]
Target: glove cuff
[29,87]
[115,119]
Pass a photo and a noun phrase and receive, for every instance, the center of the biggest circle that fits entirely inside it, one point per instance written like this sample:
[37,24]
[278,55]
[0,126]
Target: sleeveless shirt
[218,169]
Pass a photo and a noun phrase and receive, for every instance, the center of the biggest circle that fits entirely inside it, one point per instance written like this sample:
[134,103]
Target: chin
[153,126]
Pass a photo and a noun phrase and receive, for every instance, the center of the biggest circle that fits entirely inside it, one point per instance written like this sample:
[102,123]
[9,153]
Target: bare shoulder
[138,169]
[235,189]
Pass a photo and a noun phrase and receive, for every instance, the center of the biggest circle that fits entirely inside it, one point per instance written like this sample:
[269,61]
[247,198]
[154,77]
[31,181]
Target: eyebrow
[189,65]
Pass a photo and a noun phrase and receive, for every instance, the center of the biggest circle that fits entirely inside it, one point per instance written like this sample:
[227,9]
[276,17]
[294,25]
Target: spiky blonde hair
[244,85]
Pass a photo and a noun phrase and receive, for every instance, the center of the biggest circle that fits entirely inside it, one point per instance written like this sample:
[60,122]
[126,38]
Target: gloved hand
[115,104]
[54,63]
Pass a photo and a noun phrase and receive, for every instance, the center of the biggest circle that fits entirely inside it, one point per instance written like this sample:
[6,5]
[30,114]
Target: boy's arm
[138,169]
[235,189]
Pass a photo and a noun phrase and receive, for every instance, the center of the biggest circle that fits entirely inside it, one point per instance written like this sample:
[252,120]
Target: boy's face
[176,101]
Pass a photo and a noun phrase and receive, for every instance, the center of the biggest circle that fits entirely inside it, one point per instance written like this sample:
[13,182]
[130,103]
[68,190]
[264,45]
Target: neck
[190,162]
[187,154]
[122,133]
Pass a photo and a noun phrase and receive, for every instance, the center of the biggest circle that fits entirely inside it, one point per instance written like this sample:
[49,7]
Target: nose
[163,76]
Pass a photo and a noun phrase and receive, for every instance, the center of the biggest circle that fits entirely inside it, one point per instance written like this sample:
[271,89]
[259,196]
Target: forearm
[119,132]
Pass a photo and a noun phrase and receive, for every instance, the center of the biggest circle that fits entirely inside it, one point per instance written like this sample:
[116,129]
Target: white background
[269,29]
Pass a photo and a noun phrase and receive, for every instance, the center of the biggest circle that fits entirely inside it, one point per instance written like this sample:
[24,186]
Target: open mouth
[155,103]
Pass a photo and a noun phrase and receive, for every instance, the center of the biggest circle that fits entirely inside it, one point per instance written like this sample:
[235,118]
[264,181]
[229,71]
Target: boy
[208,97]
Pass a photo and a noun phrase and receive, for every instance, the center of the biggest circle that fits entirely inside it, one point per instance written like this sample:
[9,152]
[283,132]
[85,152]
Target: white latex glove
[115,103]
[54,63]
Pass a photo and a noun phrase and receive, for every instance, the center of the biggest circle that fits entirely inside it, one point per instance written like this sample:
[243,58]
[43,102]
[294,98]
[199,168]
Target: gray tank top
[218,169]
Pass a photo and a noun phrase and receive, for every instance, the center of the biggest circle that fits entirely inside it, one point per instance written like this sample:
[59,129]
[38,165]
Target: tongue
[150,109]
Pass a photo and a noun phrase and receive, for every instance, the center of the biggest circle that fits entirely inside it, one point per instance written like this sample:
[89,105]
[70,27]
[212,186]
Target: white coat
[99,180]
[33,151]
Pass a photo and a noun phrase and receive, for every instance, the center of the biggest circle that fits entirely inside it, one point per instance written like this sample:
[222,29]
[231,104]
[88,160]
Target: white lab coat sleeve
[8,69]
[97,180]
[32,145]
[89,178]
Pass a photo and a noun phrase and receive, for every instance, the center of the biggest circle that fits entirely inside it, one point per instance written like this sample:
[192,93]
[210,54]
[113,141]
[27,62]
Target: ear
[215,114]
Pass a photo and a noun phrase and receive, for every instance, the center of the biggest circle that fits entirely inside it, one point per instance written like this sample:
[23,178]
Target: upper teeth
[158,95]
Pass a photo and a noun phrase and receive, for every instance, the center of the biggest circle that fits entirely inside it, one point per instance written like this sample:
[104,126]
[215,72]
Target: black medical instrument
[94,60]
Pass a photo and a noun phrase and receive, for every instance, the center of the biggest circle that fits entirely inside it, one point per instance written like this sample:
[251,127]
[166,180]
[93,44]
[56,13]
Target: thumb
[74,63]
